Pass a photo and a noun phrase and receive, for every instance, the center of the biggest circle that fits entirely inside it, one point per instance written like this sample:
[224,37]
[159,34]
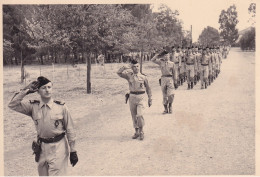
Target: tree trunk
[22,69]
[88,74]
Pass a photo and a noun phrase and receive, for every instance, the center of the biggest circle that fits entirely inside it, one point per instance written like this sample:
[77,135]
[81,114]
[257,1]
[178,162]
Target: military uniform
[50,119]
[190,62]
[176,58]
[205,59]
[182,69]
[138,84]
[167,70]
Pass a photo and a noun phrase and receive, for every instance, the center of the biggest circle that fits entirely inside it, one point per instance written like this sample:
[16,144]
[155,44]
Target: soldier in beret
[138,84]
[167,69]
[52,121]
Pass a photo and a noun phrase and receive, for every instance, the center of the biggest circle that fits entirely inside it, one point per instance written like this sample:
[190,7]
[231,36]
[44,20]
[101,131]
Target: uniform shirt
[205,59]
[199,58]
[50,119]
[137,82]
[191,59]
[167,67]
[176,58]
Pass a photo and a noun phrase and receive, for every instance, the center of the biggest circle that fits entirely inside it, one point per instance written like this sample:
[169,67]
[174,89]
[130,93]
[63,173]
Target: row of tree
[228,34]
[74,31]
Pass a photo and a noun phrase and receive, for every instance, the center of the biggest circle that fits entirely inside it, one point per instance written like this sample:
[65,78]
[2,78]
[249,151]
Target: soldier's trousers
[176,72]
[167,89]
[190,73]
[54,158]
[136,103]
[204,74]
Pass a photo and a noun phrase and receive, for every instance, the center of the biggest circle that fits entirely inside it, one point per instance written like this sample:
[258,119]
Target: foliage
[209,36]
[228,21]
[248,40]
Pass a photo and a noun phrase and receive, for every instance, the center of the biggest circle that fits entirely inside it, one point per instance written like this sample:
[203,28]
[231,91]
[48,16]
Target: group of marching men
[196,64]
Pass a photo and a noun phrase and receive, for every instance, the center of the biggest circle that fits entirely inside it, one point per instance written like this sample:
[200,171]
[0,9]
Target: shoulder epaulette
[59,102]
[34,101]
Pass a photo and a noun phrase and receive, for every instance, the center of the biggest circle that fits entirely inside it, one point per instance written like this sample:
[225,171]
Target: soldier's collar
[50,103]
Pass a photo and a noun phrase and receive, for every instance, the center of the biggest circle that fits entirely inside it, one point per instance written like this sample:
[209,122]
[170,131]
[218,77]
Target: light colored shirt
[137,82]
[167,67]
[50,119]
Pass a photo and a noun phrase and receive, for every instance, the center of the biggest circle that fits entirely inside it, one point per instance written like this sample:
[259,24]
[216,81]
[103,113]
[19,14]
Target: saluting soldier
[190,62]
[176,58]
[205,59]
[54,127]
[138,84]
[167,69]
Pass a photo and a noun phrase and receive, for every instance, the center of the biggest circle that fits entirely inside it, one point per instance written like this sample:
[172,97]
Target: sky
[203,13]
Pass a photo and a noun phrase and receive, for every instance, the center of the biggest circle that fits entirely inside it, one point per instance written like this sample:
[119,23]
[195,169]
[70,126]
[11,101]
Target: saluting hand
[33,87]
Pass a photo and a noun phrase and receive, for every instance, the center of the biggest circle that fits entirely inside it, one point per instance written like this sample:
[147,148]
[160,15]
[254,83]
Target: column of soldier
[194,64]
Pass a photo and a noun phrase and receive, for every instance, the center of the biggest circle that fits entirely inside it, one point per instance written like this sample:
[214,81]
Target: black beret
[134,62]
[42,81]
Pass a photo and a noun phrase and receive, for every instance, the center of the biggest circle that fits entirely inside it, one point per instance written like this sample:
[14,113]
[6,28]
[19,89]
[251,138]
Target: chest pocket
[56,119]
[36,117]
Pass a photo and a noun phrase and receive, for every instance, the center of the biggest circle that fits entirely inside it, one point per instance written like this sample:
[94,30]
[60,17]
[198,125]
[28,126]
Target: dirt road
[211,132]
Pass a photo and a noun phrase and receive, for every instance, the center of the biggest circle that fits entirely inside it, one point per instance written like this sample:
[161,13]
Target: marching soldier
[210,65]
[205,59]
[52,121]
[176,58]
[219,60]
[199,58]
[138,83]
[167,68]
[182,69]
[190,61]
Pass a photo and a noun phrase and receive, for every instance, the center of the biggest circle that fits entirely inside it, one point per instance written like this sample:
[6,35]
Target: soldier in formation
[138,84]
[167,69]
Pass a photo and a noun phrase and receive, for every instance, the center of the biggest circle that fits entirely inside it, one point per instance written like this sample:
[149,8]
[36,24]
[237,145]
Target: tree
[252,12]
[248,40]
[228,21]
[209,36]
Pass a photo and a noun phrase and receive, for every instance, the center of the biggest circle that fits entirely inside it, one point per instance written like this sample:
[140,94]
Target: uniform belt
[53,139]
[176,62]
[137,93]
[189,63]
[204,64]
[166,75]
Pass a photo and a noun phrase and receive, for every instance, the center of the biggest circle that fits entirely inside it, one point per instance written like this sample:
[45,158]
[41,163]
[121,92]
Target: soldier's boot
[165,109]
[170,108]
[191,85]
[188,86]
[136,135]
[206,85]
[141,133]
[209,80]
[175,86]
[195,80]
[202,86]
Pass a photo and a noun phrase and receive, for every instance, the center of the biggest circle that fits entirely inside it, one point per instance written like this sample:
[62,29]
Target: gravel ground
[211,132]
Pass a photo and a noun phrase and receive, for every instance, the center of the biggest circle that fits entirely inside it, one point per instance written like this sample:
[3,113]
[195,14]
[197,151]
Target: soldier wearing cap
[205,59]
[138,84]
[182,69]
[190,62]
[55,130]
[176,58]
[219,60]
[167,70]
[210,65]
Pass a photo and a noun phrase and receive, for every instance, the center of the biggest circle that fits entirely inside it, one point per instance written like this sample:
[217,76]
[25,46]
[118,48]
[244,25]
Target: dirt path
[211,132]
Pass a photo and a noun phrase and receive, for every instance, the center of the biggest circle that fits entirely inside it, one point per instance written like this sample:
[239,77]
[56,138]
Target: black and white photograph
[114,88]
